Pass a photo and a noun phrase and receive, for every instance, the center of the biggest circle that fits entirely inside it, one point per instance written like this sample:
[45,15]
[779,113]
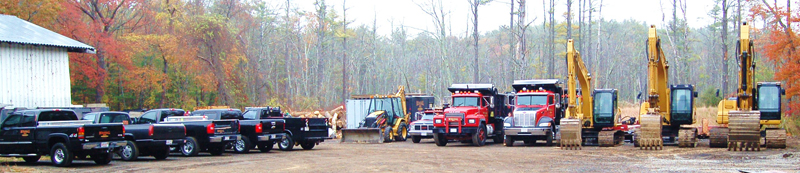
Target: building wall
[34,76]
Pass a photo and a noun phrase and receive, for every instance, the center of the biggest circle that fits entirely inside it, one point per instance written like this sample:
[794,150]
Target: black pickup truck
[254,130]
[143,139]
[201,134]
[31,134]
[305,132]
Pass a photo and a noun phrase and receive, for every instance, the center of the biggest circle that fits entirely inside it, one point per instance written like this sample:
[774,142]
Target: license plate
[169,142]
[272,136]
[524,130]
[453,130]
[227,138]
[424,134]
[104,144]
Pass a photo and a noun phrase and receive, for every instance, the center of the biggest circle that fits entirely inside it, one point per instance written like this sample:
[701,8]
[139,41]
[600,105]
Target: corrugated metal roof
[16,30]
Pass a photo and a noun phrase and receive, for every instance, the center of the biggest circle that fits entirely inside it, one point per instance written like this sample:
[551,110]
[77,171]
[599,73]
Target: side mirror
[639,96]
[491,102]
[717,94]
[783,91]
[695,94]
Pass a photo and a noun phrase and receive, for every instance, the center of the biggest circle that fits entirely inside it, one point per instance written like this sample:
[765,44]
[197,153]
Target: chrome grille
[459,115]
[453,123]
[525,120]
[423,127]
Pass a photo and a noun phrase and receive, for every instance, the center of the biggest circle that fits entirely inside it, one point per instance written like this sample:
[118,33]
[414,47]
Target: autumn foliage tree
[780,46]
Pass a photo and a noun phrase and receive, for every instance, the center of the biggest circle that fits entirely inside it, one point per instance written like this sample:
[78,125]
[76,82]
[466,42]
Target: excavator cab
[682,104]
[768,100]
[605,106]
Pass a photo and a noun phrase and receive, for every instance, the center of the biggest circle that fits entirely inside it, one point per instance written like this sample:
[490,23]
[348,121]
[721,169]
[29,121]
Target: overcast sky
[496,14]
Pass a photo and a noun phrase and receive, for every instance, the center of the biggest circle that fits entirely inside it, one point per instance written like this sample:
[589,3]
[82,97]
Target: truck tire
[265,146]
[498,139]
[31,159]
[508,141]
[286,144]
[387,134]
[243,145]
[416,139]
[439,139]
[129,152]
[402,133]
[549,138]
[479,138]
[308,145]
[190,148]
[216,150]
[102,159]
[161,155]
[60,155]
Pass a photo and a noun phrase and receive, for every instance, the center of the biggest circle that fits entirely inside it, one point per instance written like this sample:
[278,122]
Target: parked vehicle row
[98,136]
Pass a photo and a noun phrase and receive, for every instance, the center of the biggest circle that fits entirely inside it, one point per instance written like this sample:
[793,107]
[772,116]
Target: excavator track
[687,137]
[570,134]
[776,138]
[745,131]
[718,137]
[610,138]
[650,137]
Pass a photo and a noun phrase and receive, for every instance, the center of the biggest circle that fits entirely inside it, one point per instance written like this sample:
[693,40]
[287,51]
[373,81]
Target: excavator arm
[577,74]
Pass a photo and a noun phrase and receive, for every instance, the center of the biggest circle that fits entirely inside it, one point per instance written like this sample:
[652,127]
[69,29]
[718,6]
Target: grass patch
[8,165]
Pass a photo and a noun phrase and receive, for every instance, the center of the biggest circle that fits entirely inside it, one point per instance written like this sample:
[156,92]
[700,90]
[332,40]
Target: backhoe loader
[756,106]
[386,120]
[669,109]
[592,119]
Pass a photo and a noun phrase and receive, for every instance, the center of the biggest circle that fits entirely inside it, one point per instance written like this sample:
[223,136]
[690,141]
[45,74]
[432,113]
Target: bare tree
[474,4]
[724,37]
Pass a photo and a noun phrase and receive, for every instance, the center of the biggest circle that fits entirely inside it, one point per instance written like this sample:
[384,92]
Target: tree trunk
[724,36]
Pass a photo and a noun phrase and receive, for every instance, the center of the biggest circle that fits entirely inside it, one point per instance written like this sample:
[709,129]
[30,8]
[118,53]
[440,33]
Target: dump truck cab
[537,110]
[477,113]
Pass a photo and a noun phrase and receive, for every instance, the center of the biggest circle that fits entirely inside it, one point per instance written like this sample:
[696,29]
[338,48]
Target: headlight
[437,121]
[506,124]
[471,121]
[544,124]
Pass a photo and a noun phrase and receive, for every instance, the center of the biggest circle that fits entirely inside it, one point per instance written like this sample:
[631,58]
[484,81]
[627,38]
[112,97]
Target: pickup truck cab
[201,134]
[423,127]
[305,132]
[142,139]
[31,134]
[254,130]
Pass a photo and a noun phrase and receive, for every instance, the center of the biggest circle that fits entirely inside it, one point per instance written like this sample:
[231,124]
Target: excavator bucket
[745,130]
[362,135]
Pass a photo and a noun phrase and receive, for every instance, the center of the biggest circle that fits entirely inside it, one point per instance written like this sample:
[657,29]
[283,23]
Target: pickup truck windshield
[57,116]
[114,118]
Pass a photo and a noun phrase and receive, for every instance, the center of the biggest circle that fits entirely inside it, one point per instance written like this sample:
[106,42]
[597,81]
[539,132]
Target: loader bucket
[362,135]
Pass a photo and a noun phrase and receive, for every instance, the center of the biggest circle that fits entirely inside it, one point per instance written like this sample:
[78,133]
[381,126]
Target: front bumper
[520,131]
[108,145]
[224,138]
[456,131]
[270,137]
[422,133]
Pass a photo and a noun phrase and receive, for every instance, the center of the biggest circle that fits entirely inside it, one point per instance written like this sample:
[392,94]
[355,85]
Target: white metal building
[34,64]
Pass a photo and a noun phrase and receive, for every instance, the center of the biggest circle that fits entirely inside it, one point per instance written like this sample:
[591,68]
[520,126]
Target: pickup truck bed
[143,139]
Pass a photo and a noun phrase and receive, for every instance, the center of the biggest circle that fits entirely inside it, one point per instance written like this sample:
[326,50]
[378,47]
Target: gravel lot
[332,156]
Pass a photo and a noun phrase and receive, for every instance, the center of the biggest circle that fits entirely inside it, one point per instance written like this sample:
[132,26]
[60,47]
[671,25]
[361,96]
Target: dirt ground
[332,156]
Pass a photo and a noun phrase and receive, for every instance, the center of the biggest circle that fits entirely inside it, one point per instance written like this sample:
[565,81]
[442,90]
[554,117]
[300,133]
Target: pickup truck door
[18,134]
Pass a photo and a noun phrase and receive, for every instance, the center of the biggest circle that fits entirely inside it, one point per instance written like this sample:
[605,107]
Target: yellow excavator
[756,106]
[594,118]
[386,120]
[669,109]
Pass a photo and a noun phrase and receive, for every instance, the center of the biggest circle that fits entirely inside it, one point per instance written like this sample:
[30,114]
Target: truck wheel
[387,134]
[161,155]
[402,133]
[243,145]
[31,159]
[549,138]
[129,152]
[416,139]
[498,139]
[102,159]
[60,155]
[479,138]
[265,146]
[286,144]
[508,141]
[190,147]
[216,150]
[308,145]
[439,139]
